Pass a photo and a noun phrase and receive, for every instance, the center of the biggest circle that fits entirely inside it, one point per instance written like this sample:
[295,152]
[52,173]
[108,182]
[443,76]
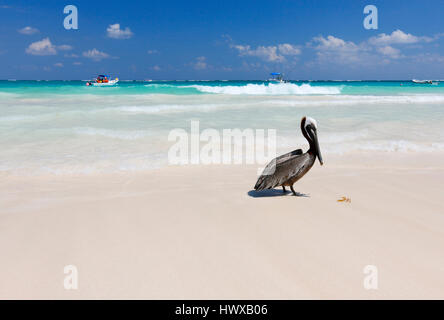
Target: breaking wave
[270,89]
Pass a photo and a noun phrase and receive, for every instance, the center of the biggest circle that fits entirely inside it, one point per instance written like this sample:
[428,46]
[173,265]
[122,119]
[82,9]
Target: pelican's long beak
[318,150]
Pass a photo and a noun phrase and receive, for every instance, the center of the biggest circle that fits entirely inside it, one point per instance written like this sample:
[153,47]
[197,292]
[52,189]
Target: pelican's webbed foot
[297,194]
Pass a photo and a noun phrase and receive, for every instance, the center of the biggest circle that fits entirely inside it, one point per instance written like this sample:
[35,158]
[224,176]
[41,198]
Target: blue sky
[227,39]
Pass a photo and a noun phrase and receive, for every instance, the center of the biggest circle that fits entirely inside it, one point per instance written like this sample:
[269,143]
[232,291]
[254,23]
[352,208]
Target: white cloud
[373,51]
[334,44]
[42,48]
[200,63]
[429,58]
[397,37]
[156,68]
[152,51]
[289,50]
[71,55]
[64,47]
[390,51]
[45,48]
[274,53]
[226,69]
[95,54]
[115,32]
[28,31]
[268,53]
[337,50]
[77,63]
[330,50]
[58,65]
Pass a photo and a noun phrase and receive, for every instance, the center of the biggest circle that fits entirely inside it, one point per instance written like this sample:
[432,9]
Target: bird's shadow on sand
[273,193]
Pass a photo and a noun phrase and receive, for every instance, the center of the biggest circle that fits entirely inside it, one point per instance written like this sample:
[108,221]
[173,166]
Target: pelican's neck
[307,136]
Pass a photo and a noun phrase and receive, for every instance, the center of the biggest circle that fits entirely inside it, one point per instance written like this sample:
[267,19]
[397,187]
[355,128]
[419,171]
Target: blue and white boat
[277,77]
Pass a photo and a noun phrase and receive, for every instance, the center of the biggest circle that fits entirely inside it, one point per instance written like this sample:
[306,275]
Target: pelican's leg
[292,190]
[283,187]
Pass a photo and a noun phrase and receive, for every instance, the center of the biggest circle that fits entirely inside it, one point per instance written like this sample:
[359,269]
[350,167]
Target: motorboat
[277,77]
[103,81]
[422,81]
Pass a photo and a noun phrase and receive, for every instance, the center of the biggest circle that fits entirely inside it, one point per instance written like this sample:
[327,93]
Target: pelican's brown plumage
[290,167]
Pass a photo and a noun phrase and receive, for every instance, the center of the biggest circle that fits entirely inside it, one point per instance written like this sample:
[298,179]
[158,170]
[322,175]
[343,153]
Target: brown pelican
[285,170]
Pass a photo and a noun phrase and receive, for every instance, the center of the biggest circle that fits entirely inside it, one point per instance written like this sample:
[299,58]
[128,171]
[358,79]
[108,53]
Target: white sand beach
[198,232]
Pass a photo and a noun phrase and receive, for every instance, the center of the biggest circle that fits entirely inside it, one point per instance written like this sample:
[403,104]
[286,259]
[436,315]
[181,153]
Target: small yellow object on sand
[344,199]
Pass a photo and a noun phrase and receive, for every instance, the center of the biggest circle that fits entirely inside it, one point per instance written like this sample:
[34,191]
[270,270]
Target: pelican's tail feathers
[261,183]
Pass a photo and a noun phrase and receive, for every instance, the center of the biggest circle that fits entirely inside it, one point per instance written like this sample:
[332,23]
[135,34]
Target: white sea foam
[201,105]
[270,89]
[357,100]
[72,133]
[159,85]
[164,108]
[400,146]
[349,142]
[116,134]
[18,118]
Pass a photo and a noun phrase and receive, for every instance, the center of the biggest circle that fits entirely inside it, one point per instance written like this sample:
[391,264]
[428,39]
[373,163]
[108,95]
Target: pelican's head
[310,128]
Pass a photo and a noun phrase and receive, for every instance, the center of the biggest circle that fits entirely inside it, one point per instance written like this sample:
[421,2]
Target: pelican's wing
[283,157]
[282,169]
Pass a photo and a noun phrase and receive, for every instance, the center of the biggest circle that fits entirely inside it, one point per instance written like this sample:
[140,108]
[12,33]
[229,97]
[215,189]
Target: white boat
[103,81]
[277,77]
[105,84]
[422,81]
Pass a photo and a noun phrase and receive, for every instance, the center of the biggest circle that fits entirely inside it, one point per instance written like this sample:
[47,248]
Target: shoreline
[200,232]
[403,160]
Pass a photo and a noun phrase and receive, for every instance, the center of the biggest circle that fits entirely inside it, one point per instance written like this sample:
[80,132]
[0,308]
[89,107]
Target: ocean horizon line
[238,80]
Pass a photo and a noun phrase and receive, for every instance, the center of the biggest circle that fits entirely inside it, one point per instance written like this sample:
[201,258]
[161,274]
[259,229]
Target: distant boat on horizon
[422,81]
[277,77]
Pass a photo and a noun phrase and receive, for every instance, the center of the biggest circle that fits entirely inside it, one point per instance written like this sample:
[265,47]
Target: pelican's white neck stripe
[311,121]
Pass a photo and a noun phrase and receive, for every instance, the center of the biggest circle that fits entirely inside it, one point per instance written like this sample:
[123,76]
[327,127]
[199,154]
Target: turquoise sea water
[66,127]
[227,87]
